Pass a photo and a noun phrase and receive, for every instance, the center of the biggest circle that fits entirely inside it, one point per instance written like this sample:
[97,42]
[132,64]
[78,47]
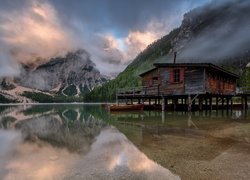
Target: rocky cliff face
[70,75]
[217,33]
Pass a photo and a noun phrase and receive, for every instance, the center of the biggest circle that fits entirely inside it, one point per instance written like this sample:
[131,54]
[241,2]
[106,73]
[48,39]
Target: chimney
[175,53]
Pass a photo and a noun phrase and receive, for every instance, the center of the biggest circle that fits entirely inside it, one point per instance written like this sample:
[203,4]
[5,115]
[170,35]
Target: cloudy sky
[112,31]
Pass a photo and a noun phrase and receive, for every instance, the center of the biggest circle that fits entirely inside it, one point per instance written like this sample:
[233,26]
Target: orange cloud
[137,41]
[35,32]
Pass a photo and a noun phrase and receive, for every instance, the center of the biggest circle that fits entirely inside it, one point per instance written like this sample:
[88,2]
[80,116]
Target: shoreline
[73,103]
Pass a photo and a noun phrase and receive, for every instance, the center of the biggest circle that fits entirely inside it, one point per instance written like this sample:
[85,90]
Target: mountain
[217,33]
[69,76]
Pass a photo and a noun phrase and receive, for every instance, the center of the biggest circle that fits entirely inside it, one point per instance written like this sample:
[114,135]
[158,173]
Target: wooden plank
[194,81]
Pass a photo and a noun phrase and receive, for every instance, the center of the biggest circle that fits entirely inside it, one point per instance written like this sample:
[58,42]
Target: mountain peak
[71,75]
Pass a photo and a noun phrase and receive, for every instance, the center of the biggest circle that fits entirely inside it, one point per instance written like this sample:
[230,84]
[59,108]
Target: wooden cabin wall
[150,88]
[167,84]
[147,79]
[194,80]
[219,84]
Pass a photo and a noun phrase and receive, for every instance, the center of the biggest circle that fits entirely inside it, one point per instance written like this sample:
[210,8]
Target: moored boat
[127,107]
[104,105]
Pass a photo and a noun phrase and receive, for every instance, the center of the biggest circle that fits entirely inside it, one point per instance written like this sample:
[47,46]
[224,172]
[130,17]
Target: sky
[112,31]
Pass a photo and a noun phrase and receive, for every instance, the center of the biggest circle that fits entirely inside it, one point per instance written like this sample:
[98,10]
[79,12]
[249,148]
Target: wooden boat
[127,107]
[104,105]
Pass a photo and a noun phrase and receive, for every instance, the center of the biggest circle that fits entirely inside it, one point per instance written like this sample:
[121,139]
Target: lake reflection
[69,142]
[199,145]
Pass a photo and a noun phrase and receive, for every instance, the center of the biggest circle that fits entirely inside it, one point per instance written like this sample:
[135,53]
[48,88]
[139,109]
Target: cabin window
[167,77]
[177,75]
[150,82]
[155,80]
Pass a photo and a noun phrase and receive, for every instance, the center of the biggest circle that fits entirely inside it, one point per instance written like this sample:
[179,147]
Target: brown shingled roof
[202,65]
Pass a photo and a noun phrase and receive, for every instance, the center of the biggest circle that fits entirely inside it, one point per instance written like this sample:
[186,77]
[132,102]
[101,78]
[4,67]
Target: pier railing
[155,90]
[141,90]
[243,90]
[130,91]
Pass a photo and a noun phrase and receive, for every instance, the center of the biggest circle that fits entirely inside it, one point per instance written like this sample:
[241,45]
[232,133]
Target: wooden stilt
[206,103]
[227,104]
[217,102]
[163,104]
[210,103]
[193,103]
[231,106]
[242,103]
[246,105]
[189,103]
[174,101]
[200,104]
[222,102]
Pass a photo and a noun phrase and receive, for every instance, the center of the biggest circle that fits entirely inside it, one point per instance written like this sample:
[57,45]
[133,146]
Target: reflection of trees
[6,122]
[72,127]
[74,135]
[190,136]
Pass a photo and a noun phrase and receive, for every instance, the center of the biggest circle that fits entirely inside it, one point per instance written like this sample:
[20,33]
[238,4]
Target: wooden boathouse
[185,86]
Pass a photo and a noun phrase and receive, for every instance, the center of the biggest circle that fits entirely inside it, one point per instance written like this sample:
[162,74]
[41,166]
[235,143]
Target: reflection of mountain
[76,136]
[71,127]
[113,156]
[71,142]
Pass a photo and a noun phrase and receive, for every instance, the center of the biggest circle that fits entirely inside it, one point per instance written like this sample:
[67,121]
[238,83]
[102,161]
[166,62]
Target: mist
[8,67]
[34,31]
[227,37]
[9,140]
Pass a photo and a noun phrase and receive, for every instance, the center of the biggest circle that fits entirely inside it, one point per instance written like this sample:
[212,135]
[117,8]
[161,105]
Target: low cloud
[33,31]
[226,37]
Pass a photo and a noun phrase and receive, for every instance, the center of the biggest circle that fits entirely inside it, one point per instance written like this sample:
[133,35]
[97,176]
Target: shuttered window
[150,82]
[177,75]
[155,80]
[171,80]
[182,75]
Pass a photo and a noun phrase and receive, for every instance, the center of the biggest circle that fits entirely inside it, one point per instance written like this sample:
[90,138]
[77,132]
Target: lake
[77,141]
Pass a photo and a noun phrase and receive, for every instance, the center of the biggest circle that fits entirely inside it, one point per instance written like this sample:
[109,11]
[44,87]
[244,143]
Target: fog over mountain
[215,32]
[68,47]
[33,31]
[73,74]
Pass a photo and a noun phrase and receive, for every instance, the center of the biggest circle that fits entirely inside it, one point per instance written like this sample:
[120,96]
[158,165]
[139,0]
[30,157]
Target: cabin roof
[198,65]
[148,71]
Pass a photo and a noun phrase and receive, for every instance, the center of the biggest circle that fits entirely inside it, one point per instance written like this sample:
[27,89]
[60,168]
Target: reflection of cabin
[188,78]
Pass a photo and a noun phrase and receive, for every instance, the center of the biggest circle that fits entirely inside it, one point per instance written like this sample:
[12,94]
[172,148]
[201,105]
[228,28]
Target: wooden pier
[183,102]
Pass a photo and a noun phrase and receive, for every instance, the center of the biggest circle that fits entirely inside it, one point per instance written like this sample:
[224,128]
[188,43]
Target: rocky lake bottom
[80,141]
